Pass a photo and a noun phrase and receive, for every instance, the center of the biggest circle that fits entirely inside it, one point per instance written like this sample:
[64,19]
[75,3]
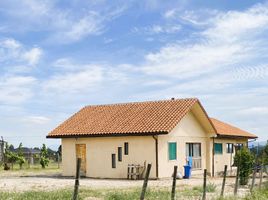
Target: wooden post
[261,175]
[58,158]
[145,182]
[174,183]
[253,178]
[205,185]
[224,180]
[76,185]
[236,180]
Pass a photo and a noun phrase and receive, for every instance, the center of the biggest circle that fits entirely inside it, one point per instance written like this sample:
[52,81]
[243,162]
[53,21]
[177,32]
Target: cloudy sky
[58,56]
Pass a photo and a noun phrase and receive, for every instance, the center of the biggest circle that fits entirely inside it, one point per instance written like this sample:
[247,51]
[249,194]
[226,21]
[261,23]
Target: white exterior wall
[98,155]
[188,130]
[225,158]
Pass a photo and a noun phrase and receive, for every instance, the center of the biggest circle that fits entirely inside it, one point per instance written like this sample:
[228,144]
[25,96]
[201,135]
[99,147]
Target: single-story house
[164,133]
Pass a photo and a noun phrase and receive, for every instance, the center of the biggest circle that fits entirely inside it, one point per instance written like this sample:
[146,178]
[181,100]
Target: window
[193,150]
[172,151]
[113,161]
[126,148]
[229,148]
[119,154]
[218,148]
[239,146]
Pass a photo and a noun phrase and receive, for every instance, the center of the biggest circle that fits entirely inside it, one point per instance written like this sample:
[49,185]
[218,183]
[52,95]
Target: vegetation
[44,160]
[244,159]
[124,194]
[20,158]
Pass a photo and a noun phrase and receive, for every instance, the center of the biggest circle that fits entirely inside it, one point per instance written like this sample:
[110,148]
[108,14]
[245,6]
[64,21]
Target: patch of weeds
[211,188]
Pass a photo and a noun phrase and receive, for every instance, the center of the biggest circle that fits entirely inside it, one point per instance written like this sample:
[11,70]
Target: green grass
[126,194]
[210,188]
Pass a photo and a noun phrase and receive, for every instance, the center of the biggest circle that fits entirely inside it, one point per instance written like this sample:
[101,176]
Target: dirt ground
[53,182]
[39,180]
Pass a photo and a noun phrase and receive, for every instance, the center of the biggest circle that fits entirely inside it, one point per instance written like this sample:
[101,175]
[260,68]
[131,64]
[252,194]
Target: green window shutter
[172,150]
[218,148]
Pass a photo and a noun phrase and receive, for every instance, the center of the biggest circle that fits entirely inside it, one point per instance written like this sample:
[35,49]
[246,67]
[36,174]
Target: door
[81,153]
[193,153]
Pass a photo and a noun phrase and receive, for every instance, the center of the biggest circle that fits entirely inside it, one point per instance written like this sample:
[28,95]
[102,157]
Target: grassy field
[35,169]
[127,194]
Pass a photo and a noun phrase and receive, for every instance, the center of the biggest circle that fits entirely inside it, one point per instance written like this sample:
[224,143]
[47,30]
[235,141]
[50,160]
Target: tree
[245,161]
[20,159]
[10,157]
[44,156]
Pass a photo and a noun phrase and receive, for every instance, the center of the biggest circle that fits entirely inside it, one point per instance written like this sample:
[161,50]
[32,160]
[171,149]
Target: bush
[245,161]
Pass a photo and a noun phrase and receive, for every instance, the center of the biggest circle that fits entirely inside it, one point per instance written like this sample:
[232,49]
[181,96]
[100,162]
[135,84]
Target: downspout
[213,158]
[156,154]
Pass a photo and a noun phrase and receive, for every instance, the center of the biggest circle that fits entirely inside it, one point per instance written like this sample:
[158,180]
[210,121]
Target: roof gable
[146,118]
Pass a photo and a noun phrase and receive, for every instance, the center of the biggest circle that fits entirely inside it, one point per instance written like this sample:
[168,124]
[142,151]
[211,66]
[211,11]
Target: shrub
[244,160]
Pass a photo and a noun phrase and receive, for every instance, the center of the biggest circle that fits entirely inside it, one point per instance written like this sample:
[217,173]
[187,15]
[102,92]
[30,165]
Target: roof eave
[107,135]
[235,136]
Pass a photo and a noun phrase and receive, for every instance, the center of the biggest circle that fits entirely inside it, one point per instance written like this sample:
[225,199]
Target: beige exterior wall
[142,149]
[98,155]
[225,158]
[188,130]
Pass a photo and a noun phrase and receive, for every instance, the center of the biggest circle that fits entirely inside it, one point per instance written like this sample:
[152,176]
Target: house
[165,133]
[32,155]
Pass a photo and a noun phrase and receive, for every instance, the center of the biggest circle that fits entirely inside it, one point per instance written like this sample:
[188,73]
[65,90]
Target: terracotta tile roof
[224,129]
[152,117]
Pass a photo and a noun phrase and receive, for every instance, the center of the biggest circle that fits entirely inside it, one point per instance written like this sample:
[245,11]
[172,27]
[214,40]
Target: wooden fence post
[145,182]
[237,180]
[174,183]
[76,185]
[224,180]
[205,185]
[261,173]
[253,178]
[261,176]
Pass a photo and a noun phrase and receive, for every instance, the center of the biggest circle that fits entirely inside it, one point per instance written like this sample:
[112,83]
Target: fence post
[174,183]
[205,185]
[261,173]
[261,176]
[224,180]
[237,180]
[253,178]
[145,182]
[76,185]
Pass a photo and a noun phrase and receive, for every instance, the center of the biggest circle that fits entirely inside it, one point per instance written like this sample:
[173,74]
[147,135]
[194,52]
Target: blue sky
[58,56]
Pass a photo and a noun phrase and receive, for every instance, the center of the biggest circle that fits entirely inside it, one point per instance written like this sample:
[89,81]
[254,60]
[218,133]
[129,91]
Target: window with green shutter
[172,150]
[218,148]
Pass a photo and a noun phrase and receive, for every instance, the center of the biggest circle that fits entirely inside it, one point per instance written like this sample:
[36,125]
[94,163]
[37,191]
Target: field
[36,183]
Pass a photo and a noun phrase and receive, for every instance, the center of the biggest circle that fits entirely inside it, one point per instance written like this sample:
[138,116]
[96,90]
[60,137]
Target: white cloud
[36,120]
[254,111]
[16,89]
[74,82]
[12,52]
[230,38]
[33,55]
[158,29]
[64,25]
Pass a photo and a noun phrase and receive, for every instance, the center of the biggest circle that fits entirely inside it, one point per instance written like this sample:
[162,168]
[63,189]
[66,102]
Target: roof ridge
[142,102]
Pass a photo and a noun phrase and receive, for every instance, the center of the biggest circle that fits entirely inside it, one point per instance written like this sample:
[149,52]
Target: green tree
[245,161]
[44,156]
[10,156]
[20,159]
